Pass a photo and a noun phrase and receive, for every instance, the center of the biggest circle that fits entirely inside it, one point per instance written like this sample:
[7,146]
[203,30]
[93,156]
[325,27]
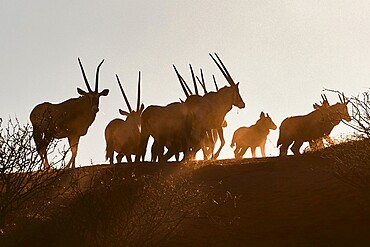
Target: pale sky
[283,53]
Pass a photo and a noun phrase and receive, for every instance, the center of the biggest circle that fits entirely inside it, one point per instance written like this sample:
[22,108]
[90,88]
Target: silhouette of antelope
[211,136]
[182,126]
[315,125]
[123,136]
[252,137]
[173,142]
[213,107]
[69,119]
[168,125]
[318,143]
[194,100]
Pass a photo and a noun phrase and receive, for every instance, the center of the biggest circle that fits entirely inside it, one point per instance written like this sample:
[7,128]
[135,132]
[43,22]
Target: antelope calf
[252,137]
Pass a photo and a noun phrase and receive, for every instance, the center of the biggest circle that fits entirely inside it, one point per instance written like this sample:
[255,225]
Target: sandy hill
[307,200]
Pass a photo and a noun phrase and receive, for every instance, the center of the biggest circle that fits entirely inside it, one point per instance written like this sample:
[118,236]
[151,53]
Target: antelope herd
[183,127]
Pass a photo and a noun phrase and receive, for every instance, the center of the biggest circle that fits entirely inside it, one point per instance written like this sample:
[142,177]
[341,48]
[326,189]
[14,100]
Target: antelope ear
[81,92]
[124,113]
[104,92]
[267,115]
[262,114]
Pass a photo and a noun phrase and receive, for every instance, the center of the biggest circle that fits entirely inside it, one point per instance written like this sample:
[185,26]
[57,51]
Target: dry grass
[316,199]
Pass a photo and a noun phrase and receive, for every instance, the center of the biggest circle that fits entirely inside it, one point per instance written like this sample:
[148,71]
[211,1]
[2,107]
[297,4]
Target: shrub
[25,190]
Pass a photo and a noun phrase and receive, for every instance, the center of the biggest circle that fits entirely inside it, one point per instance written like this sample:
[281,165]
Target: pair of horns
[96,78]
[185,86]
[201,81]
[183,83]
[342,98]
[125,96]
[324,99]
[223,69]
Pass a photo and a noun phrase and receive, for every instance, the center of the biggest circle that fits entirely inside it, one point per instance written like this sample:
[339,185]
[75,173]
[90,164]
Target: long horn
[223,69]
[187,86]
[324,98]
[203,82]
[124,95]
[138,93]
[194,81]
[342,98]
[97,76]
[203,86]
[182,82]
[214,80]
[84,75]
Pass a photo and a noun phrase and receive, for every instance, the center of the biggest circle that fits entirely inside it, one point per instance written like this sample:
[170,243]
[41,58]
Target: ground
[275,201]
[291,201]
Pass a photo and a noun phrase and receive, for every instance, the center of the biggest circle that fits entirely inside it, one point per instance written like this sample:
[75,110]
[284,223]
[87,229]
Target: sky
[283,53]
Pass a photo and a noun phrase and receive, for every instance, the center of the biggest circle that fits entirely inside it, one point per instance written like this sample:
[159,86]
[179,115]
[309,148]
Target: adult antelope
[315,125]
[168,125]
[253,136]
[213,107]
[318,143]
[123,136]
[209,140]
[69,119]
[184,125]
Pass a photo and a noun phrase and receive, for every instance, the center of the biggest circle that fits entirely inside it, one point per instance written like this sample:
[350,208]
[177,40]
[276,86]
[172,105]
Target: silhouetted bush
[26,192]
[351,163]
[109,209]
[352,157]
[360,114]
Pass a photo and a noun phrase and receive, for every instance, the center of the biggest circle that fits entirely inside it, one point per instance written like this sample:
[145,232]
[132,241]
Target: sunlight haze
[283,53]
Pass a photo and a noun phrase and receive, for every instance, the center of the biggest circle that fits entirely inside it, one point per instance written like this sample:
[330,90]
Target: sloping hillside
[292,201]
[289,201]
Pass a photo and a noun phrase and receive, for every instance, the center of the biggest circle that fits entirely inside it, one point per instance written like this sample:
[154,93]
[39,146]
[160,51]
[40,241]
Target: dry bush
[109,209]
[360,114]
[26,192]
[351,163]
[351,159]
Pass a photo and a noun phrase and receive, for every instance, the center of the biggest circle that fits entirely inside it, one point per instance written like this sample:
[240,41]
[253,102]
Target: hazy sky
[283,53]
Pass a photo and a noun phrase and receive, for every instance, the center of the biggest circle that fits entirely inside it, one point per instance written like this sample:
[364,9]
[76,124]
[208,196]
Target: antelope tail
[232,142]
[37,136]
[280,140]
[108,151]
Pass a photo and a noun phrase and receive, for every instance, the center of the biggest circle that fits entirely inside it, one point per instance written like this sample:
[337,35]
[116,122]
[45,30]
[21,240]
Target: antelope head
[236,98]
[342,108]
[92,96]
[132,115]
[266,121]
